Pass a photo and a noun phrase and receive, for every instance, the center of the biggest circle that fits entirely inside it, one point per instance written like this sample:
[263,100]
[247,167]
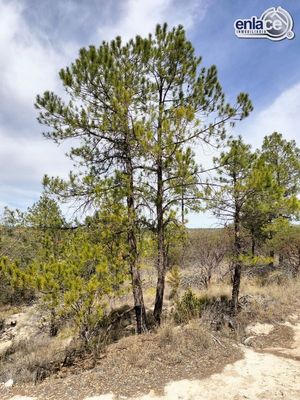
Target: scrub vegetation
[125,282]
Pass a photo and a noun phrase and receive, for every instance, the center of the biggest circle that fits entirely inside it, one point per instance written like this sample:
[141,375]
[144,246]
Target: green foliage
[15,242]
[174,279]
[252,261]
[77,284]
[74,270]
[276,179]
[17,247]
[234,190]
[262,186]
[13,283]
[286,243]
[188,307]
[135,109]
[45,214]
[282,157]
[233,184]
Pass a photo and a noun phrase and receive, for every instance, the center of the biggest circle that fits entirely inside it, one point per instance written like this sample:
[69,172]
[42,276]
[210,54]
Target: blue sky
[37,38]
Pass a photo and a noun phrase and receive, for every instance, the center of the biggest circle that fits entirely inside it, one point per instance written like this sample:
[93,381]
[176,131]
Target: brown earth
[264,372]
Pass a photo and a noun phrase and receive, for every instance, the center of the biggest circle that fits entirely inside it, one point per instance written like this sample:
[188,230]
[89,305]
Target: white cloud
[28,64]
[24,161]
[141,17]
[282,115]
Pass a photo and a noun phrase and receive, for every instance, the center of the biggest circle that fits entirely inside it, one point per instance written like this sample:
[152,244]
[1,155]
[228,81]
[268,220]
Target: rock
[247,341]
[23,398]
[259,329]
[9,383]
[109,396]
[4,346]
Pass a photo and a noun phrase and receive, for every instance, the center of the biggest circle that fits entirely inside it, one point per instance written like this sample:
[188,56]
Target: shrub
[174,280]
[166,335]
[188,307]
[199,335]
[31,360]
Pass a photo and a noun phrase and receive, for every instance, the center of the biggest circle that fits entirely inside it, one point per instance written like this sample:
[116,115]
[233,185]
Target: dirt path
[270,375]
[259,376]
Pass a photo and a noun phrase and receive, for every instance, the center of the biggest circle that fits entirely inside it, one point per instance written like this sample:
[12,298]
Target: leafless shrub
[205,254]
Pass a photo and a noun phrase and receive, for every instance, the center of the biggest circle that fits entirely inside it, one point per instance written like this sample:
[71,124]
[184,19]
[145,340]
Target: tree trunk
[236,288]
[53,324]
[160,287]
[271,253]
[297,267]
[182,208]
[137,290]
[253,245]
[136,282]
[159,299]
[271,263]
[160,232]
[161,255]
[139,307]
[238,266]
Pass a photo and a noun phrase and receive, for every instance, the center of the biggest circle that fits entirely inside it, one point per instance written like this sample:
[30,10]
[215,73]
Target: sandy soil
[19,327]
[269,375]
[259,376]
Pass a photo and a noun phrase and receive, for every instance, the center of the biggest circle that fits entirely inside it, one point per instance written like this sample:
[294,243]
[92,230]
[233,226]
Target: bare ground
[137,365]
[269,370]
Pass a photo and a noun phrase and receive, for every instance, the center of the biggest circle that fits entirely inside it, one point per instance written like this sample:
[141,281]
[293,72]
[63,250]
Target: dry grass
[67,332]
[149,296]
[215,291]
[269,299]
[31,360]
[199,335]
[272,301]
[280,336]
[285,292]
[166,334]
[177,341]
[6,311]
[265,303]
[137,364]
[134,357]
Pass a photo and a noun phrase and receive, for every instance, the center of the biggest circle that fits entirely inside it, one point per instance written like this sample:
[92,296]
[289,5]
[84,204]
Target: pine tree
[184,99]
[135,109]
[278,183]
[234,187]
[106,88]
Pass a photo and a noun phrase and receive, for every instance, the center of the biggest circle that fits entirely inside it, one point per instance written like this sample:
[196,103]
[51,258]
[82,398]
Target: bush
[11,294]
[174,279]
[199,335]
[31,360]
[166,335]
[188,307]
